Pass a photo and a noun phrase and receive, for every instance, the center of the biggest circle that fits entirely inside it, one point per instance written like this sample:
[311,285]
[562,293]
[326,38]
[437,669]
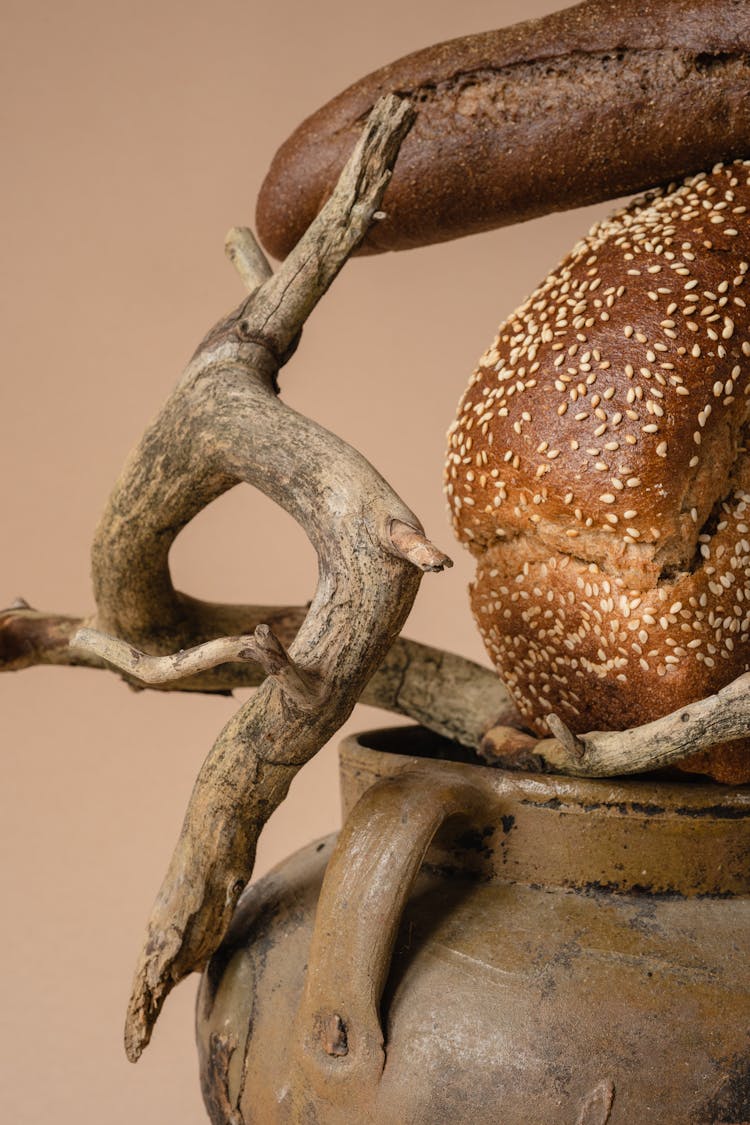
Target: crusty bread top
[703,26]
[607,417]
[591,102]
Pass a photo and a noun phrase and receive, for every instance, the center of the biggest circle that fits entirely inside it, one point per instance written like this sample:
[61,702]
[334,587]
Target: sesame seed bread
[598,470]
[590,103]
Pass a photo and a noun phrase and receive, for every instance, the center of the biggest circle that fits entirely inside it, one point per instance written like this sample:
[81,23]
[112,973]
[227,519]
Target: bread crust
[589,103]
[598,469]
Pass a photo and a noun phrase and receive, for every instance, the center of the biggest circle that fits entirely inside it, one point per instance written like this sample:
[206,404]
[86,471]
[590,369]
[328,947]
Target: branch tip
[412,544]
[509,747]
[18,603]
[267,649]
[244,252]
[566,738]
[143,1011]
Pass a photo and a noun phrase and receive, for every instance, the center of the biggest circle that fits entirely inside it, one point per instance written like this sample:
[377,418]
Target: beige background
[133,135]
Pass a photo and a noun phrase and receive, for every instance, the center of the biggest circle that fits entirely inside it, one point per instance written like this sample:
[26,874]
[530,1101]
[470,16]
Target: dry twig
[723,717]
[224,424]
[446,693]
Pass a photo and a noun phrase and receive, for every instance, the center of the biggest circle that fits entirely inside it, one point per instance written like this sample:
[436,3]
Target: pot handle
[366,886]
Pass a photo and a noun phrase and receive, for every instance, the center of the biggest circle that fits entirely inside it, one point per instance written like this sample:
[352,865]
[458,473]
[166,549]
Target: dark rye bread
[599,470]
[590,103]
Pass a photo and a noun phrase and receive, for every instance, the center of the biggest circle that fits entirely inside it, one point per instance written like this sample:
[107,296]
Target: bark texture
[224,424]
[440,690]
[723,717]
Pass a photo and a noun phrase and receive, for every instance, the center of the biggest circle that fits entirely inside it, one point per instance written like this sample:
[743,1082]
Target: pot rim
[640,793]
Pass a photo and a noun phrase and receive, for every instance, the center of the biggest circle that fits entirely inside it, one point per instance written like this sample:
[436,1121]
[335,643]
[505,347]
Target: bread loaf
[590,103]
[600,474]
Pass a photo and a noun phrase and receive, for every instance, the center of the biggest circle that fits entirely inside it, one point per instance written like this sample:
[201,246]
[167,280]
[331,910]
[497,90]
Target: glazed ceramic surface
[490,947]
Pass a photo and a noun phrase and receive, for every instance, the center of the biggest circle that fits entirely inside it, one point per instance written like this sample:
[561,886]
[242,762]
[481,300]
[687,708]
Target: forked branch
[223,425]
[447,693]
[262,646]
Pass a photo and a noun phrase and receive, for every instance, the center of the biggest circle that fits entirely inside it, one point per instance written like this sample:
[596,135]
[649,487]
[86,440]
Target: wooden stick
[723,717]
[244,252]
[446,693]
[223,425]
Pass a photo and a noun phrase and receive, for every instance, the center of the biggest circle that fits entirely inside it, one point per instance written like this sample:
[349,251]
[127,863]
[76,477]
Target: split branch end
[412,544]
[564,735]
[144,1008]
[298,684]
[244,252]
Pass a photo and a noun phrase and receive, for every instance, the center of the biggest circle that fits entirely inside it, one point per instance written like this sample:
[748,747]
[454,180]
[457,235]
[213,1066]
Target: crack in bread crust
[593,102]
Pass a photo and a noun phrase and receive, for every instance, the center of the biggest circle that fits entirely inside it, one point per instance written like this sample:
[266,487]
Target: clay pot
[490,947]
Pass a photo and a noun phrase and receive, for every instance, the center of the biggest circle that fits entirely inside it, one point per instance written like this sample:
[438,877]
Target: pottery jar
[480,946]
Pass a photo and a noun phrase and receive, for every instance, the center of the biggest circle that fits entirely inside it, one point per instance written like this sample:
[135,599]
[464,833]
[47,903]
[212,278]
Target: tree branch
[30,637]
[244,252]
[410,543]
[723,717]
[446,693]
[224,425]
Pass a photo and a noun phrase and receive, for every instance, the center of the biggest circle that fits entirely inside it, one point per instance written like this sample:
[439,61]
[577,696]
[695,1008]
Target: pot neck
[634,836]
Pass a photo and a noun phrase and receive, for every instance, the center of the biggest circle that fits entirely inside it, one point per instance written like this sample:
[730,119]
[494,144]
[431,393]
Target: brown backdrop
[133,135]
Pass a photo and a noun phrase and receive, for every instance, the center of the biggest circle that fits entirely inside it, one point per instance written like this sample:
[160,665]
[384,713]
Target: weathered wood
[719,718]
[446,693]
[246,256]
[261,646]
[30,637]
[224,424]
